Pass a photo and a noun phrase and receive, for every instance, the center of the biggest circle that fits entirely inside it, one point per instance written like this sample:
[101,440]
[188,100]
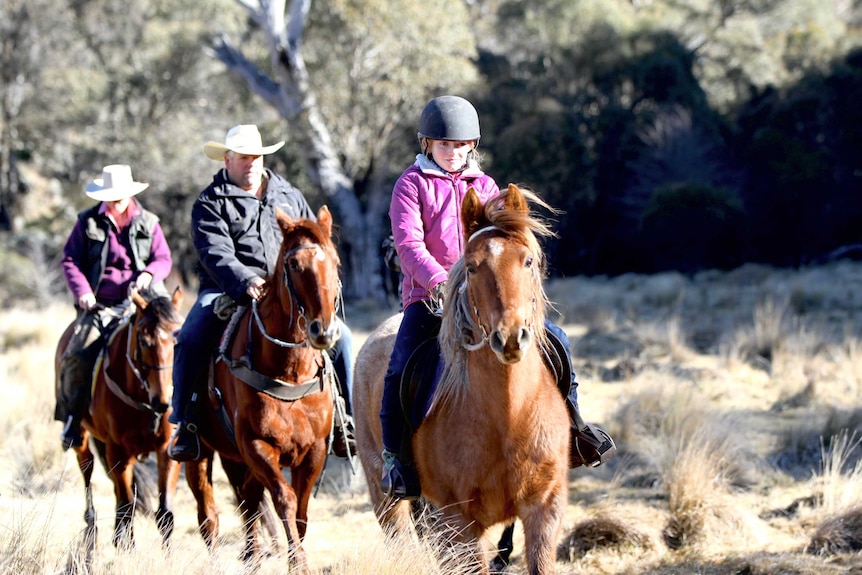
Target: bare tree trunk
[291,95]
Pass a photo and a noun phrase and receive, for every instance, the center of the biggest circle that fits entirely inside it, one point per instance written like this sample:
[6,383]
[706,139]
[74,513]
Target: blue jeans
[195,344]
[417,325]
[199,338]
[556,330]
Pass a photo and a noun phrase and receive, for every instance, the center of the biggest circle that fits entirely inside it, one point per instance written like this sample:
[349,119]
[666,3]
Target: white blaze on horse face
[495,247]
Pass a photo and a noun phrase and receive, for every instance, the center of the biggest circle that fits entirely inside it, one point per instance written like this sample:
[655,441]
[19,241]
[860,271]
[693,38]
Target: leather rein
[242,367]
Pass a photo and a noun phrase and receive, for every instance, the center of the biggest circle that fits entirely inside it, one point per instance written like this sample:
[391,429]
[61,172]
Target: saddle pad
[419,381]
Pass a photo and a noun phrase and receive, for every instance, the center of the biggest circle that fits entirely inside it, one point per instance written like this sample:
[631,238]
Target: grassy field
[734,399]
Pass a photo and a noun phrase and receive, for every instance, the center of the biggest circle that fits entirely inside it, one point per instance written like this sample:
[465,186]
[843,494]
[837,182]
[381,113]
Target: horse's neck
[117,358]
[512,385]
[276,359]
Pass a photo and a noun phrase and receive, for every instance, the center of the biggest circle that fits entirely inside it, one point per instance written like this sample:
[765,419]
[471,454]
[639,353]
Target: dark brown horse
[127,418]
[271,390]
[493,446]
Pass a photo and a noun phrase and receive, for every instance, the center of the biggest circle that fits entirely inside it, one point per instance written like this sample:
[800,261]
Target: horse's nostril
[314,329]
[496,341]
[524,338]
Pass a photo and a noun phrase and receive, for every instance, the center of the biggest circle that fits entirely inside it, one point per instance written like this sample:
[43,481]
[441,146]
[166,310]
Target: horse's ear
[471,211]
[177,296]
[515,200]
[282,219]
[138,299]
[324,218]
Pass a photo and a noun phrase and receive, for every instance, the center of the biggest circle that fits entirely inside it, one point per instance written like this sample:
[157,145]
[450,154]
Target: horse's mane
[459,329]
[160,311]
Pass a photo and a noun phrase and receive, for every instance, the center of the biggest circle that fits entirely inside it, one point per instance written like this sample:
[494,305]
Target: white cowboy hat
[242,139]
[115,184]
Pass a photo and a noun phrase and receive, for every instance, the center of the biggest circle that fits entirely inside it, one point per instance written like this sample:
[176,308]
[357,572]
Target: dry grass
[733,398]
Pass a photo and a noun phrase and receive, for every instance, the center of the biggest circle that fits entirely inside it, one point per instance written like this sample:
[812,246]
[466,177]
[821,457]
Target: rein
[294,297]
[242,367]
[113,385]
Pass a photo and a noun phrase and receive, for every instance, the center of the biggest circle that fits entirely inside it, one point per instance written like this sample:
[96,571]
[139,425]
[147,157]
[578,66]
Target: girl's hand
[143,281]
[87,302]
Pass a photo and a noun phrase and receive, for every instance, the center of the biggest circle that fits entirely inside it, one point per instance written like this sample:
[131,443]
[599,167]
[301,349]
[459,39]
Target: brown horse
[127,418]
[493,445]
[271,395]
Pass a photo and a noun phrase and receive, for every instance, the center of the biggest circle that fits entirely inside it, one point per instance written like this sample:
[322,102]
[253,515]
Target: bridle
[301,319]
[475,317]
[138,367]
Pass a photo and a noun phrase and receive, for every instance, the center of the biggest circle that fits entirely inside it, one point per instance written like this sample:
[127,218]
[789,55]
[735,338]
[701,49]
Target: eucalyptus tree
[349,77]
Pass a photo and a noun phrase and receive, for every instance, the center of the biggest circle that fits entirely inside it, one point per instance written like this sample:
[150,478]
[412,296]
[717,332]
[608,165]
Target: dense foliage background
[674,134]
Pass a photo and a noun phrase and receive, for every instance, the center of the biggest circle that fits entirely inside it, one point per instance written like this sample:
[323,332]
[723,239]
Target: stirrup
[344,440]
[185,444]
[398,481]
[591,446]
[71,436]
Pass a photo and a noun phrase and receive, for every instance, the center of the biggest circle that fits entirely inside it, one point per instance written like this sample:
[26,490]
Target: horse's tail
[145,485]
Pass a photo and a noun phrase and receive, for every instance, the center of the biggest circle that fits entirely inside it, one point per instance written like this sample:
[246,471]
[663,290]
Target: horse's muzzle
[321,338]
[509,347]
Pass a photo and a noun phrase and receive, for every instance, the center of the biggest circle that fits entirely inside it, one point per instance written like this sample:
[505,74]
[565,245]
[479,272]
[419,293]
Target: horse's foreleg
[266,472]
[302,480]
[122,467]
[250,501]
[169,472]
[86,461]
[541,529]
[199,476]
[463,543]
[504,549]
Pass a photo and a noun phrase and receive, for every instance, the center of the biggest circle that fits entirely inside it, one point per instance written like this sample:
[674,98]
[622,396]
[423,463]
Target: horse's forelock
[160,312]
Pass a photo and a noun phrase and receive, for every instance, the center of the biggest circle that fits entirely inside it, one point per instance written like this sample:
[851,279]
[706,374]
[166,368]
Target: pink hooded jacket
[426,222]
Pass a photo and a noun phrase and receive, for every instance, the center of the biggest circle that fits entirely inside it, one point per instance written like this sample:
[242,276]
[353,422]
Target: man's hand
[87,302]
[255,288]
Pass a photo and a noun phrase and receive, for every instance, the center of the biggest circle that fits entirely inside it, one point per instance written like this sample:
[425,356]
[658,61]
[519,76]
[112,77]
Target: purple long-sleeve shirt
[425,211]
[99,258]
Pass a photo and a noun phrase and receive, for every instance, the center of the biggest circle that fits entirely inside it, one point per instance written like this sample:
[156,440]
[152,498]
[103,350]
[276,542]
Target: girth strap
[272,386]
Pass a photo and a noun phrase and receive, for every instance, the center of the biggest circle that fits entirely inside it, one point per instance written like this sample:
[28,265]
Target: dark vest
[96,228]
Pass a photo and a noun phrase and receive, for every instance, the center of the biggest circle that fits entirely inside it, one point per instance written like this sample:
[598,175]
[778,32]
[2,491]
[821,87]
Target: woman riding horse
[113,246]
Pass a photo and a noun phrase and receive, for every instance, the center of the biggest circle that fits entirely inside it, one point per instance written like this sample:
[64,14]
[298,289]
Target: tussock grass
[734,400]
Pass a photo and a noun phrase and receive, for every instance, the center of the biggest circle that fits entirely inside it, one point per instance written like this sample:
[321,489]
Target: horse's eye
[471,269]
[293,265]
[528,262]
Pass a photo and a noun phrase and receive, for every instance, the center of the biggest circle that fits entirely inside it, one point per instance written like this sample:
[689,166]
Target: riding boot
[185,444]
[400,480]
[343,434]
[74,397]
[589,444]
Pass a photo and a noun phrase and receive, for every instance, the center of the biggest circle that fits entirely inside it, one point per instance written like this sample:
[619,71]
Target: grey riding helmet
[449,118]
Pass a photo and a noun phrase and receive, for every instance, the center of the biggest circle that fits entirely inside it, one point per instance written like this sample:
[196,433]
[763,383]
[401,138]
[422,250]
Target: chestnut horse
[270,398]
[127,418]
[494,442]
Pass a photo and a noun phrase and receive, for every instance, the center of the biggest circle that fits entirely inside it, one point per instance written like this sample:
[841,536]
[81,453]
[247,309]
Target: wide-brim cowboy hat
[242,139]
[115,184]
